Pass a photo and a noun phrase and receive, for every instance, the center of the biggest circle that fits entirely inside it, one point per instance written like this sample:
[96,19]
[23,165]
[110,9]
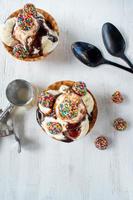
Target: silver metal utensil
[7,129]
[19,93]
[12,131]
[4,129]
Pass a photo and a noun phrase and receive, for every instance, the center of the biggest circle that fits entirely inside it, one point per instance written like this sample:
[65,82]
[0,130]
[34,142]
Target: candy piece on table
[46,99]
[117,97]
[30,9]
[20,52]
[25,22]
[80,88]
[54,127]
[120,124]
[101,142]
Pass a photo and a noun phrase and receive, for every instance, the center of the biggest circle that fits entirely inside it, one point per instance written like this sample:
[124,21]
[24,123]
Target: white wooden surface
[50,170]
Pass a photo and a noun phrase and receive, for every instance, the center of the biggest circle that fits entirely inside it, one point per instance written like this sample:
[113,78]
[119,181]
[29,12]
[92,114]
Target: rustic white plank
[47,169]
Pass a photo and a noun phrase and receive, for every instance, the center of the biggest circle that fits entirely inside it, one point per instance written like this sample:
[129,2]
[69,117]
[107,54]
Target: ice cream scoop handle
[8,109]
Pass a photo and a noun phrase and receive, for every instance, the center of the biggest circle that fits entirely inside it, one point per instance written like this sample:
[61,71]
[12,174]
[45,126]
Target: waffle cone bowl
[48,18]
[68,83]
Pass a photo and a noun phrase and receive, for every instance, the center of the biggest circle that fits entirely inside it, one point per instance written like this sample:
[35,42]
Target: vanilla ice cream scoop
[26,28]
[70,108]
[6,32]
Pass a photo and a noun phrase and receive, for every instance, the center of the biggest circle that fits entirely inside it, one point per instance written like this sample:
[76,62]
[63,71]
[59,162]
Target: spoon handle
[119,66]
[124,57]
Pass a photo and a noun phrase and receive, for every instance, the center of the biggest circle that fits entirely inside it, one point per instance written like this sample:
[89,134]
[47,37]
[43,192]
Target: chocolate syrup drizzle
[43,31]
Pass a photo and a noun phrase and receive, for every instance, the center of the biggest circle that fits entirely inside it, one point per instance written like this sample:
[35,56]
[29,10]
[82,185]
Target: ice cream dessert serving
[29,33]
[66,110]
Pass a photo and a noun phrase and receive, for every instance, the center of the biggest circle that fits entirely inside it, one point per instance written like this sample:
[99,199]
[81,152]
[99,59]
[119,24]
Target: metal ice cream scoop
[19,93]
[7,129]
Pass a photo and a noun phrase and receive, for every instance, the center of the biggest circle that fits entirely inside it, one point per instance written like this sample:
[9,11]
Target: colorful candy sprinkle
[25,22]
[120,124]
[20,52]
[80,88]
[46,99]
[69,108]
[54,127]
[30,9]
[117,97]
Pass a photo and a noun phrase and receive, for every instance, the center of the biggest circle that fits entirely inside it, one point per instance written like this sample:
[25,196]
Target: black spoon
[114,42]
[92,56]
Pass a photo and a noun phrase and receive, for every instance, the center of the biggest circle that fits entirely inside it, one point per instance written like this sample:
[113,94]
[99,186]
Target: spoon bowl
[114,42]
[91,56]
[87,53]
